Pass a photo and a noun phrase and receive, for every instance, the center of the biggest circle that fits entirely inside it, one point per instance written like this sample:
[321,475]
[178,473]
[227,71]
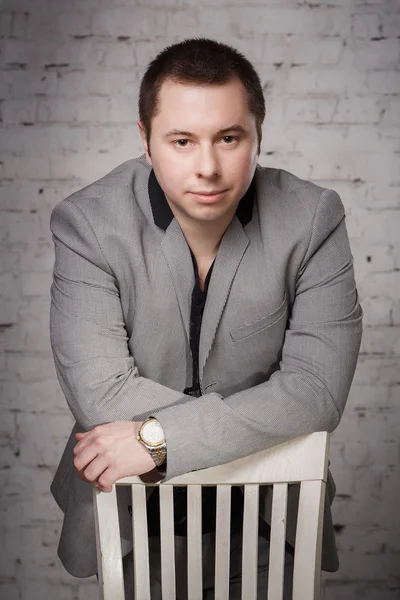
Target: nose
[207,163]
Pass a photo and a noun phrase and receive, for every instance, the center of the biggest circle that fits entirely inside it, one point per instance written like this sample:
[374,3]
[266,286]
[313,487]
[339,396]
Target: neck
[204,238]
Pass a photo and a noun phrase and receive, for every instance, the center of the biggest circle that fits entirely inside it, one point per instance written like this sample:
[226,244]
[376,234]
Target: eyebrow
[236,128]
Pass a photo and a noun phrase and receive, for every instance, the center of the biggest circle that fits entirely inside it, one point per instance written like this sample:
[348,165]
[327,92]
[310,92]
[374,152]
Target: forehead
[191,107]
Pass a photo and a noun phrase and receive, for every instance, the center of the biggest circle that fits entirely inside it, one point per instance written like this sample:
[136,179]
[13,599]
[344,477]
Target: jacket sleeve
[309,391]
[88,338]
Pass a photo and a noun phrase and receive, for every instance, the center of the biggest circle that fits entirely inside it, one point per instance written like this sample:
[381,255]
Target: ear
[142,132]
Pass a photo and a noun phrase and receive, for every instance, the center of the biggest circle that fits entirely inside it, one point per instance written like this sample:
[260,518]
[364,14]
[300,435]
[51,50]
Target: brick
[14,23]
[18,85]
[28,53]
[18,227]
[35,196]
[381,340]
[390,23]
[10,286]
[365,25]
[76,83]
[37,395]
[122,110]
[378,258]
[19,111]
[391,115]
[146,50]
[365,166]
[36,284]
[288,20]
[120,56]
[377,313]
[301,50]
[37,168]
[9,591]
[81,110]
[384,82]
[130,21]
[190,21]
[30,366]
[380,54]
[311,110]
[368,396]
[87,168]
[59,24]
[364,110]
[44,139]
[326,81]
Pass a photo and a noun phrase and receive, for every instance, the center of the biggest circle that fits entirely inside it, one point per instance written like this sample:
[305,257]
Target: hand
[109,452]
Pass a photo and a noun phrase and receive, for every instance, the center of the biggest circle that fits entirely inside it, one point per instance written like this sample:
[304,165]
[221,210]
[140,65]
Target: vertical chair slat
[277,542]
[222,542]
[307,556]
[250,542]
[140,543]
[108,544]
[167,542]
[194,543]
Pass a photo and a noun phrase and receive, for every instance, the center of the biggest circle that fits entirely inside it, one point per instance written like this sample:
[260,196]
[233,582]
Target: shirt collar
[163,214]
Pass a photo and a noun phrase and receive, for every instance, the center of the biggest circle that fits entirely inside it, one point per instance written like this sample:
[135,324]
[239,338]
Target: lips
[208,197]
[214,193]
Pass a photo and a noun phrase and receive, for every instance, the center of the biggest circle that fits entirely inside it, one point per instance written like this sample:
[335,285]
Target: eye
[181,145]
[229,138]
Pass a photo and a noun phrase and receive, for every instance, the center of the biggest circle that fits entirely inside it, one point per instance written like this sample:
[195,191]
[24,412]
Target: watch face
[152,433]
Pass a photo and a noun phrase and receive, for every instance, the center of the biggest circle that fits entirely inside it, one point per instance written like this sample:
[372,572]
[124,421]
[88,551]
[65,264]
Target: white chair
[304,460]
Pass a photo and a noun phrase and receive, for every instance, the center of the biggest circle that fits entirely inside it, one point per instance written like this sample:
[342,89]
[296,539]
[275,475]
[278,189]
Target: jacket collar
[163,215]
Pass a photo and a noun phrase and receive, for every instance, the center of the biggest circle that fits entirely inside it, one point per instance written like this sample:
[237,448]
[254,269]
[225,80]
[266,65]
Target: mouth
[209,197]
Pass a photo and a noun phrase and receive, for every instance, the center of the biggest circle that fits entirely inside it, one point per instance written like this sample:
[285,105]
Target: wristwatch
[151,434]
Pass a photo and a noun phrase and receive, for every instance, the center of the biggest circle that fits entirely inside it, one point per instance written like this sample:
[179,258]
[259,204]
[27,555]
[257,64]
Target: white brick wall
[70,73]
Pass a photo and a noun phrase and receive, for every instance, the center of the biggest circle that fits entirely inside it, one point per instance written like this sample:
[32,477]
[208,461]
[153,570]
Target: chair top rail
[301,459]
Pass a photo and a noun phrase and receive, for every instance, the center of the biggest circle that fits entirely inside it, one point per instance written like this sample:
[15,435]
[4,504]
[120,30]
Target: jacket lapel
[230,252]
[179,260]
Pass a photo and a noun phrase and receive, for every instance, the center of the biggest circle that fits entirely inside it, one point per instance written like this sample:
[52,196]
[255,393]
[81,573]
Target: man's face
[203,140]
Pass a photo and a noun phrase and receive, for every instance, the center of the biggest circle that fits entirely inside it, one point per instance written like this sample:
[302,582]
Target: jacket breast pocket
[259,325]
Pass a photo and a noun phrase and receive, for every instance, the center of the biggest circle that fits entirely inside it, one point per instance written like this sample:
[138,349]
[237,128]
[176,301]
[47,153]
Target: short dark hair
[201,61]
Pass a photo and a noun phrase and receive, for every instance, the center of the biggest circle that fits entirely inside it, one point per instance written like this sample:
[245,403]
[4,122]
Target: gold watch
[151,434]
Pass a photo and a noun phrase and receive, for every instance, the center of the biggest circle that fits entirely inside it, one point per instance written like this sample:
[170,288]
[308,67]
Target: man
[199,290]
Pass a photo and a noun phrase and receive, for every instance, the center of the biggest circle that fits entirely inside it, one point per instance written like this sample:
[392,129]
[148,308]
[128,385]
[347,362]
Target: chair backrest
[302,460]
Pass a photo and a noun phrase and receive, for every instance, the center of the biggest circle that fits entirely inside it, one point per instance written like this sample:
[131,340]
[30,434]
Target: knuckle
[100,442]
[87,475]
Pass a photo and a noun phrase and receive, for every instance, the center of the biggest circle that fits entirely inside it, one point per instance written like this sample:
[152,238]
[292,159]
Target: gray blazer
[279,341]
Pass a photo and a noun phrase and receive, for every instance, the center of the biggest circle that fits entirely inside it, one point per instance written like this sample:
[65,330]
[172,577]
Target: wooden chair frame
[303,460]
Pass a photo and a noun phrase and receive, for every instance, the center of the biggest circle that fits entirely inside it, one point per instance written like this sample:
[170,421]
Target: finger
[95,469]
[81,475]
[85,457]
[83,478]
[86,439]
[107,479]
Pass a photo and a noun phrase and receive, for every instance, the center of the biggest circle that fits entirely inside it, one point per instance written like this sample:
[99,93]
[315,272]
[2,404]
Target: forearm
[119,394]
[212,430]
